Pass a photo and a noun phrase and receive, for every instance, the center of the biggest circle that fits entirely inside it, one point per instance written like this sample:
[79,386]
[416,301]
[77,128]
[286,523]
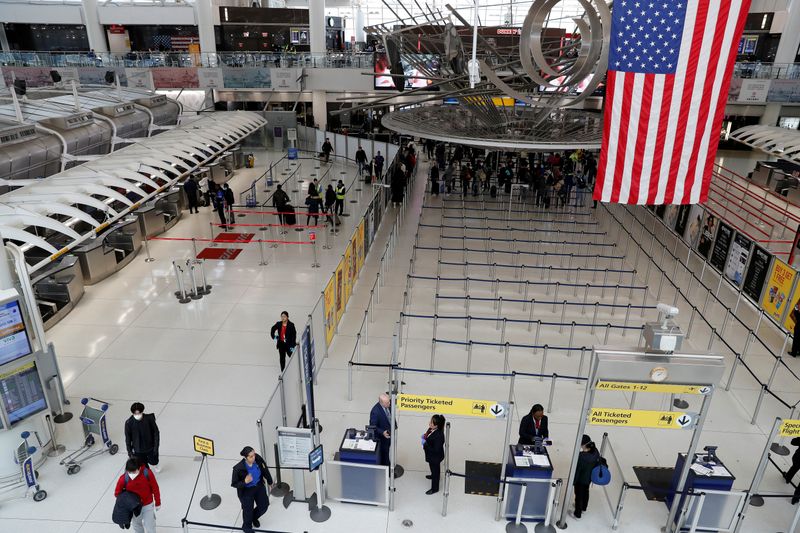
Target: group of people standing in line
[220,197]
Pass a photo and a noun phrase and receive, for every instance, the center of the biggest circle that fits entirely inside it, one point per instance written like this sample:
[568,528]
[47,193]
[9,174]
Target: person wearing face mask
[142,436]
[249,477]
[141,481]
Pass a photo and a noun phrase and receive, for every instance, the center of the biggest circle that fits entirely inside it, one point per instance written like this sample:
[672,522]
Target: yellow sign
[204,446]
[779,286]
[626,386]
[450,406]
[340,297]
[360,245]
[330,310]
[641,419]
[790,428]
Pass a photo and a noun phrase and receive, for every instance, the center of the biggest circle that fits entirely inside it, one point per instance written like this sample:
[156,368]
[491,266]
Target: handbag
[600,474]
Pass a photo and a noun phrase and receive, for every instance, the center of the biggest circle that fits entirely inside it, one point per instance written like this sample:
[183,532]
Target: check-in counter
[526,463]
[110,251]
[161,213]
[218,173]
[58,289]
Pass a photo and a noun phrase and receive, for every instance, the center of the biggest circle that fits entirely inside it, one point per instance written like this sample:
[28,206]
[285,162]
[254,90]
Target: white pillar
[3,39]
[204,17]
[316,27]
[94,30]
[319,99]
[358,16]
[790,37]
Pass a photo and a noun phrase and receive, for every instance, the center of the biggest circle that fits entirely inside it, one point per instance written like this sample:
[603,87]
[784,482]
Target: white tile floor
[206,368]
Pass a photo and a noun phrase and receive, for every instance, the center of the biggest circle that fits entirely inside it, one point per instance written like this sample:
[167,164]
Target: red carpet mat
[238,237]
[225,254]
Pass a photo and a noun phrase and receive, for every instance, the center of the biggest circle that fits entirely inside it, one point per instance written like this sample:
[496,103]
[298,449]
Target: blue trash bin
[292,153]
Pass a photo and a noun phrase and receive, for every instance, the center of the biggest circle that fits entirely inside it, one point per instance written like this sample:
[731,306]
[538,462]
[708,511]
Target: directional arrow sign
[642,419]
[452,406]
[497,410]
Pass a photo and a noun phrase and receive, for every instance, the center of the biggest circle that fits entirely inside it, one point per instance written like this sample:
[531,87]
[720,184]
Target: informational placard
[294,445]
[316,458]
[754,91]
[707,231]
[210,78]
[775,300]
[451,406]
[692,225]
[22,392]
[756,274]
[722,245]
[737,258]
[642,419]
[14,341]
[790,428]
[203,445]
[330,310]
[668,388]
[291,134]
[309,362]
[792,310]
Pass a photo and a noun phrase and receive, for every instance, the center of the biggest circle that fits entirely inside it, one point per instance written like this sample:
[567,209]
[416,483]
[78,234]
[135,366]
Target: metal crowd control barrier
[617,488]
[533,500]
[191,272]
[357,483]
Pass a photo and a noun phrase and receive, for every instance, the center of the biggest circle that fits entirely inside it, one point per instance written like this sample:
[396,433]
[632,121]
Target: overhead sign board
[642,419]
[627,386]
[451,406]
[790,428]
[204,445]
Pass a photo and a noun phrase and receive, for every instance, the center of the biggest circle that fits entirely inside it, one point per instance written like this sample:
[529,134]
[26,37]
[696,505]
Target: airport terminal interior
[399,265]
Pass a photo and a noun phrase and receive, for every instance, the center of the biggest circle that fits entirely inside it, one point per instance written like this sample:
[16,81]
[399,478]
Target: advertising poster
[784,91]
[779,287]
[789,320]
[660,211]
[175,78]
[369,230]
[140,78]
[794,254]
[671,215]
[754,91]
[286,79]
[348,281]
[719,254]
[707,232]
[682,219]
[692,225]
[68,74]
[340,301]
[33,76]
[246,77]
[360,246]
[97,75]
[756,273]
[330,310]
[737,258]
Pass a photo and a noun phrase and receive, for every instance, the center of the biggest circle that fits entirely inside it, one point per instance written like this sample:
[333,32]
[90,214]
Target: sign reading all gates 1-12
[602,416]
[451,406]
[629,386]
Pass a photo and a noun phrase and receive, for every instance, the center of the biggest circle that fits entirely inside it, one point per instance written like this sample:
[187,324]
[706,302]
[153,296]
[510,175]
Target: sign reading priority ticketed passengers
[642,419]
[452,406]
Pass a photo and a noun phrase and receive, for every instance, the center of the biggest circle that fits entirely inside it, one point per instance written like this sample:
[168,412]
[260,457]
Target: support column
[316,27]
[94,30]
[320,101]
[204,17]
[786,53]
[358,30]
[3,39]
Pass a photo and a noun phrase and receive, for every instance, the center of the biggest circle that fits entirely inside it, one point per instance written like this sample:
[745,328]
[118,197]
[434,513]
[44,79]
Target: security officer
[340,190]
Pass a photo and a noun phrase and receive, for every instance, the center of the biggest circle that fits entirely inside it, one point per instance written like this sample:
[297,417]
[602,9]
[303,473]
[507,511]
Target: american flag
[669,68]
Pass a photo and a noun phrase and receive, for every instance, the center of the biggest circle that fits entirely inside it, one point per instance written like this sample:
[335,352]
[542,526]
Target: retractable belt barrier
[511,228]
[483,208]
[220,241]
[576,243]
[516,282]
[539,267]
[476,250]
[546,221]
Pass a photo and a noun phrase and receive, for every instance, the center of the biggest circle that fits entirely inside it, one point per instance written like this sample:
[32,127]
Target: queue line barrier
[484,208]
[492,239]
[539,267]
[511,228]
[442,248]
[531,220]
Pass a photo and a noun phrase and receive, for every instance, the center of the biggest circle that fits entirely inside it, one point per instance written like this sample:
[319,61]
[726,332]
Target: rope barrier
[255,212]
[537,267]
[511,345]
[516,320]
[599,256]
[591,304]
[225,241]
[268,225]
[488,478]
[228,528]
[546,221]
[530,241]
[518,282]
[534,230]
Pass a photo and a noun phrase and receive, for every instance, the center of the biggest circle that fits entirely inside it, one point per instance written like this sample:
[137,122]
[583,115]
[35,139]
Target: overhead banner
[719,254]
[707,232]
[737,258]
[175,77]
[756,273]
[642,419]
[210,78]
[330,310]
[451,406]
[779,288]
[630,386]
[340,299]
[286,79]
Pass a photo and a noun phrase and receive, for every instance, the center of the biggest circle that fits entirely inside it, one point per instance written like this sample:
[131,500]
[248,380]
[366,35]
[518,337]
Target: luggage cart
[29,477]
[94,423]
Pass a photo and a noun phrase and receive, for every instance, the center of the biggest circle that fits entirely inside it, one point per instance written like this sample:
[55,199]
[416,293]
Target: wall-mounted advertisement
[789,321]
[671,215]
[246,77]
[330,310]
[756,274]
[707,232]
[286,79]
[175,78]
[737,258]
[722,244]
[693,224]
[414,78]
[779,287]
[140,78]
[784,91]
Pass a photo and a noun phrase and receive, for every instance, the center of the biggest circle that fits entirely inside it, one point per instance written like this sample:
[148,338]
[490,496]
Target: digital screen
[14,342]
[315,458]
[22,393]
[719,254]
[414,79]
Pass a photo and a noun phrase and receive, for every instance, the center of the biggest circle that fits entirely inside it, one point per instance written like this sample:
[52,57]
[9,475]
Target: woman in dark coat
[284,334]
[433,445]
[248,478]
[587,460]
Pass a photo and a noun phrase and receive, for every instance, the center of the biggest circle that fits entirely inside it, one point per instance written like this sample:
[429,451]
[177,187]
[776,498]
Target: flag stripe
[639,153]
[627,126]
[634,131]
[615,97]
[661,139]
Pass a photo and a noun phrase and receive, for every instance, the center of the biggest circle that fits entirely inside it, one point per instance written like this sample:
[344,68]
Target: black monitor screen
[22,393]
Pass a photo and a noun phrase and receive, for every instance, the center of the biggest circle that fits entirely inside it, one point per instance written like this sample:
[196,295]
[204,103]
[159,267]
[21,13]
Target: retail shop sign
[642,419]
[627,386]
[204,445]
[790,428]
[452,406]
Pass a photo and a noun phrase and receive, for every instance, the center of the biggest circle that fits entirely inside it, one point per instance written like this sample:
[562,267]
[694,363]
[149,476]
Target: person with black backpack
[141,482]
[588,459]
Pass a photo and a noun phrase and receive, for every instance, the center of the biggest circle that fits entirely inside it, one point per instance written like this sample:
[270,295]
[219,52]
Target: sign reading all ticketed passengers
[451,406]
[642,419]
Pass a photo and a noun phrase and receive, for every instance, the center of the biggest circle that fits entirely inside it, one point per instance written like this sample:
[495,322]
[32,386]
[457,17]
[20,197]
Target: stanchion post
[552,392]
[210,500]
[506,440]
[446,492]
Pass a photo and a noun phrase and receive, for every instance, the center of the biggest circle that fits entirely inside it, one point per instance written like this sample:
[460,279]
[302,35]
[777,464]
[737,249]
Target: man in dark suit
[381,417]
[533,425]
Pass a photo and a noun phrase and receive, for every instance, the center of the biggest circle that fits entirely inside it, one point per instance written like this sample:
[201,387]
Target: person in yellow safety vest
[339,209]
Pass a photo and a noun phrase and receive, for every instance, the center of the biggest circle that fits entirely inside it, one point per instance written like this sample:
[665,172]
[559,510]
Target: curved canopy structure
[777,142]
[97,193]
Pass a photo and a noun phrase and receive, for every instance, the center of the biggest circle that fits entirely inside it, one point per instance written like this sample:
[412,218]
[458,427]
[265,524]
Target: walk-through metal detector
[642,370]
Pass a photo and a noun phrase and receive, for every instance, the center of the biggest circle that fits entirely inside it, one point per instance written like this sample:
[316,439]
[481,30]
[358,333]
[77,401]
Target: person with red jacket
[140,480]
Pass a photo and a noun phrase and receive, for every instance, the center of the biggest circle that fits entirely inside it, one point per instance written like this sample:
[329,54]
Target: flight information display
[14,342]
[22,393]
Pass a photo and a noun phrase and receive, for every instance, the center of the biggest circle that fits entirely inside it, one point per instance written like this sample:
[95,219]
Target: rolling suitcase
[493,191]
[435,187]
[289,218]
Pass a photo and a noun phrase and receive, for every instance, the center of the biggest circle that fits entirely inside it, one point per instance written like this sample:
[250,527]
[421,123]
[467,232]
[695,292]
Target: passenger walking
[142,437]
[313,203]
[361,160]
[379,165]
[327,149]
[205,189]
[433,445]
[250,478]
[229,201]
[285,336]
[190,188]
[795,461]
[340,191]
[380,417]
[219,205]
[313,188]
[279,201]
[588,458]
[141,481]
[330,202]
